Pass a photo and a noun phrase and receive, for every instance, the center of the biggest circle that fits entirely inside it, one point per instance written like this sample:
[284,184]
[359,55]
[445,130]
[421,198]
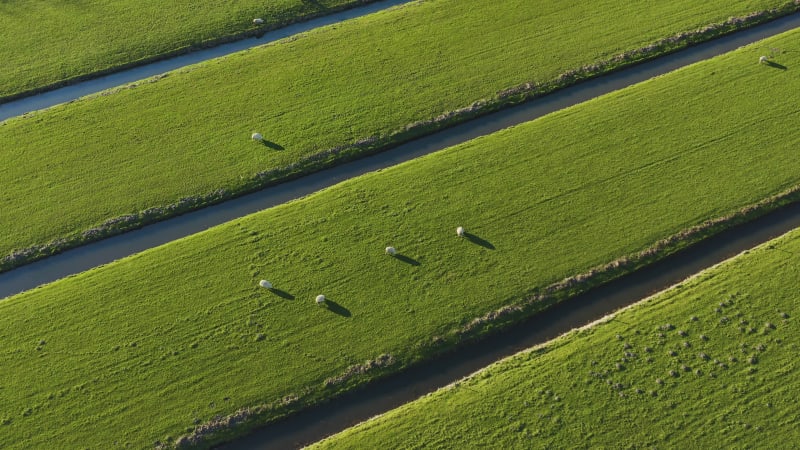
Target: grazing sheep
[258,21]
[460,231]
[257,137]
[391,251]
[265,284]
[762,60]
[320,299]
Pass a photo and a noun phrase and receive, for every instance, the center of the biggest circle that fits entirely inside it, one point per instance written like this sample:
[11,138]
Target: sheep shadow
[337,308]
[775,65]
[479,241]
[272,145]
[282,294]
[405,259]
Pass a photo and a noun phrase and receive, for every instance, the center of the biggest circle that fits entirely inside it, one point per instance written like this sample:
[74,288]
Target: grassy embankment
[79,172]
[48,44]
[142,348]
[711,363]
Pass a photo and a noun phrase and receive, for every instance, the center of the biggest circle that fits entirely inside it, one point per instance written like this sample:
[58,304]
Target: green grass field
[709,364]
[46,43]
[139,349]
[67,170]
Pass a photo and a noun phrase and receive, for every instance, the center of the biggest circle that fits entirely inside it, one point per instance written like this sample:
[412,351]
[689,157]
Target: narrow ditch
[102,252]
[74,91]
[318,422]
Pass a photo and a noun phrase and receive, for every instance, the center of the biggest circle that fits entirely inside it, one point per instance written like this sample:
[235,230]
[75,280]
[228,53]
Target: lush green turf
[136,350]
[68,169]
[710,364]
[45,43]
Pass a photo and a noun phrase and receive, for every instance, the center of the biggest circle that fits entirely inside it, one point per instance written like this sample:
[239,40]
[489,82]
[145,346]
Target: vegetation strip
[214,342]
[120,246]
[128,164]
[46,46]
[325,420]
[709,363]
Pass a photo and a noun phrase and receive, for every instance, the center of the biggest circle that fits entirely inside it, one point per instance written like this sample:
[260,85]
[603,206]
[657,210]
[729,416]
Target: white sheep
[320,299]
[763,60]
[391,251]
[460,231]
[258,21]
[265,284]
[257,137]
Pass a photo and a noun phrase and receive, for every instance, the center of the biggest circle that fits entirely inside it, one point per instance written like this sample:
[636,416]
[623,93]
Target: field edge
[375,144]
[224,429]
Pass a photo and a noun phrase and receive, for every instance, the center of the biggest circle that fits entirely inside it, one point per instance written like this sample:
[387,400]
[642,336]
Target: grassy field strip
[710,363]
[47,45]
[182,333]
[78,172]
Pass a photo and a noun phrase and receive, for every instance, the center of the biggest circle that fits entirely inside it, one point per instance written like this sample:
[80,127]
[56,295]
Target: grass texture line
[182,336]
[708,363]
[48,46]
[161,147]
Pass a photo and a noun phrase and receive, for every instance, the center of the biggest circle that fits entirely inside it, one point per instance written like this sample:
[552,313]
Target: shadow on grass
[775,65]
[478,240]
[282,294]
[337,308]
[406,259]
[319,6]
[272,145]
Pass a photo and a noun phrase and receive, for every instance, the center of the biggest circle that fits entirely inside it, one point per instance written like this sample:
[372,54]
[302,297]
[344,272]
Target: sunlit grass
[69,169]
[710,364]
[140,349]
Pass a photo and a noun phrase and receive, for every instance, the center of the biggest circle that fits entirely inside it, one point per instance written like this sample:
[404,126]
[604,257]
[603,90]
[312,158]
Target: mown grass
[140,349]
[708,364]
[45,44]
[67,170]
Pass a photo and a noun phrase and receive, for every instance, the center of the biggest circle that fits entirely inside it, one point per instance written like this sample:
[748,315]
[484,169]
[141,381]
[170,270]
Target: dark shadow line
[316,422]
[337,308]
[314,3]
[776,65]
[272,145]
[479,241]
[282,294]
[406,259]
